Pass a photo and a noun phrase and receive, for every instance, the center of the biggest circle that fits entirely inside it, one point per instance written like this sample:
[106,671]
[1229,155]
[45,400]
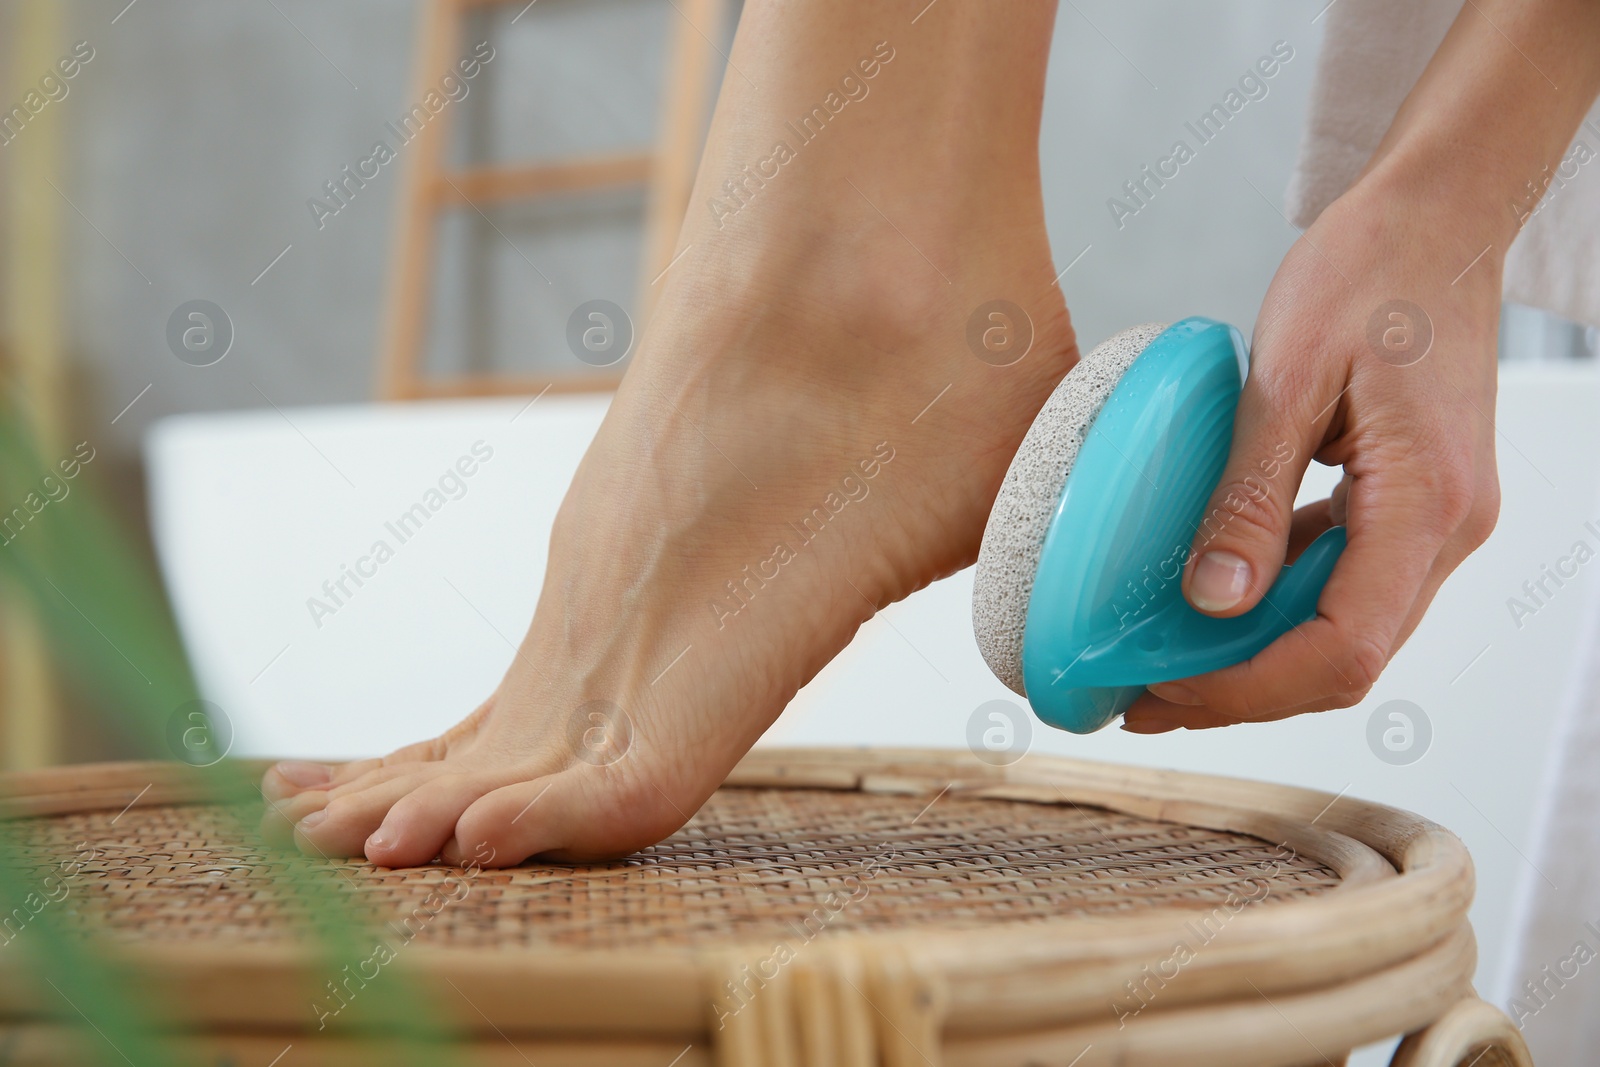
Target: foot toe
[507,825]
[289,777]
[581,814]
[279,817]
[419,824]
[354,771]
[342,826]
[384,774]
[429,751]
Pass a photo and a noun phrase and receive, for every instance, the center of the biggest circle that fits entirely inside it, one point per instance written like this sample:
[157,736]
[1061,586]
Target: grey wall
[199,130]
[1124,80]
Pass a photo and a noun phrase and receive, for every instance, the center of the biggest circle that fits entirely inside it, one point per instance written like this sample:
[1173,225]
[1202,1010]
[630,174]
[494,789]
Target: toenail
[314,820]
[379,841]
[304,774]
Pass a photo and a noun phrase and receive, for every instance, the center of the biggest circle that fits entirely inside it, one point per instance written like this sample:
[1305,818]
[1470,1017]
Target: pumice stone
[1077,602]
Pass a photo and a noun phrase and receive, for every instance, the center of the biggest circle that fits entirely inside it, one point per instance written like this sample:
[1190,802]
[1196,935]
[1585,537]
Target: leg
[774,467]
[1471,1034]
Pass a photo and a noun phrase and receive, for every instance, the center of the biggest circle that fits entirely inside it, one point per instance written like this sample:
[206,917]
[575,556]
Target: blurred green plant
[108,622]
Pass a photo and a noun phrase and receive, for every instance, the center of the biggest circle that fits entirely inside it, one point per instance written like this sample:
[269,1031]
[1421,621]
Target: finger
[1401,518]
[1459,548]
[1241,542]
[1150,714]
[1339,503]
[1308,524]
[1217,720]
[1163,716]
[1173,716]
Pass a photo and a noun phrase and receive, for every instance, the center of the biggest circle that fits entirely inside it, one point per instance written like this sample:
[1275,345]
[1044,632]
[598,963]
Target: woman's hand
[1375,349]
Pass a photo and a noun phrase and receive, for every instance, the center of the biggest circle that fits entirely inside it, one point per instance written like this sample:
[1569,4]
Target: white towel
[1372,54]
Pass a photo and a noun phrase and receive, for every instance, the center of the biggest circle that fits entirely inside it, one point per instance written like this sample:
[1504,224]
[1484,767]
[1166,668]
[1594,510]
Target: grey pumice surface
[1027,500]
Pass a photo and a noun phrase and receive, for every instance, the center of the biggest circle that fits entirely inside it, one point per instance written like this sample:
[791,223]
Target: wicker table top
[921,897]
[752,865]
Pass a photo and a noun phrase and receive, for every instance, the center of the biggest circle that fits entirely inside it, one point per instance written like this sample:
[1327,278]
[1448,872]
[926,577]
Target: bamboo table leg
[1473,1032]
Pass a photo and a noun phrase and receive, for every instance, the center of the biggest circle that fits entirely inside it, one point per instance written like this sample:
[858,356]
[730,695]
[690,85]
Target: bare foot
[805,436]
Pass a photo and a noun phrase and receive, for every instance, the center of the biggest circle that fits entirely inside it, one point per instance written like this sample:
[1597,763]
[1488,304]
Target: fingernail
[1149,726]
[304,774]
[1220,581]
[312,821]
[1174,693]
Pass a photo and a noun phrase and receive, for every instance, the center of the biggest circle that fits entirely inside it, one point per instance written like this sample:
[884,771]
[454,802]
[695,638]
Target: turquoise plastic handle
[1177,641]
[1107,615]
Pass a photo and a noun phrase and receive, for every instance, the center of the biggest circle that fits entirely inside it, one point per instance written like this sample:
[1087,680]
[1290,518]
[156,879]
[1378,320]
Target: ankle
[846,282]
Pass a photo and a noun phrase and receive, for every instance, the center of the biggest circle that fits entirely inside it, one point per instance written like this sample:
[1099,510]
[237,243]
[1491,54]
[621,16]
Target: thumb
[1241,541]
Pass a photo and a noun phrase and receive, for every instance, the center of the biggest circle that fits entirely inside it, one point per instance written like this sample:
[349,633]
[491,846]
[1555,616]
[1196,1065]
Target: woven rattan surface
[851,907]
[751,865]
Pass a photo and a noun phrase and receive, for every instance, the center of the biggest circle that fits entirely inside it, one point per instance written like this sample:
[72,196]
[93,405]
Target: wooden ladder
[666,172]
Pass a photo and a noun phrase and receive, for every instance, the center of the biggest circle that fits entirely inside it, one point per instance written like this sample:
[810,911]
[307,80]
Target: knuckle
[1448,479]
[1241,509]
[1359,664]
[480,833]
[337,808]
[1456,494]
[1244,691]
[1483,516]
[1242,705]
[407,809]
